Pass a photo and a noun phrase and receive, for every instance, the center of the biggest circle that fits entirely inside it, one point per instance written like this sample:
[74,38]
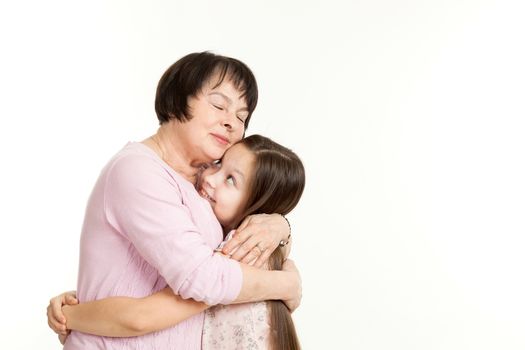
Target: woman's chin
[215,155]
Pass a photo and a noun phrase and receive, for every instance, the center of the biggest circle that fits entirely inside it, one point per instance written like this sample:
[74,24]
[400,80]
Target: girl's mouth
[205,195]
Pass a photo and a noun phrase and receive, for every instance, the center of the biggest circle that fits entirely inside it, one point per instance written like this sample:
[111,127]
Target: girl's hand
[256,238]
[55,317]
[295,300]
[62,338]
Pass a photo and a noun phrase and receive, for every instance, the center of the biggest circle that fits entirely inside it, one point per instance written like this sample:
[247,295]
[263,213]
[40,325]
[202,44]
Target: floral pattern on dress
[236,327]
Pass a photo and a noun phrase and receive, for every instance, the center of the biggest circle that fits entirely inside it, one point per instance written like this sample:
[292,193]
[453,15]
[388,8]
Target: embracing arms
[125,317]
[150,214]
[121,316]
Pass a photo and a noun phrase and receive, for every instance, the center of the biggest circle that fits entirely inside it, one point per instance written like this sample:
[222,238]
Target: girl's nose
[206,182]
[210,179]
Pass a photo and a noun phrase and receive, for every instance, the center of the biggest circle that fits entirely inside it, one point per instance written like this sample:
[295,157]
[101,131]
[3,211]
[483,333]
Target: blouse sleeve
[144,204]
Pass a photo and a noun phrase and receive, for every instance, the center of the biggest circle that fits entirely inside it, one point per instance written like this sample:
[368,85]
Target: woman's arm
[261,284]
[127,317]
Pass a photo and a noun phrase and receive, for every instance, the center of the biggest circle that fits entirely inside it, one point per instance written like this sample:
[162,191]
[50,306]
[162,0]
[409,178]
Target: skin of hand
[55,317]
[293,304]
[256,233]
[62,338]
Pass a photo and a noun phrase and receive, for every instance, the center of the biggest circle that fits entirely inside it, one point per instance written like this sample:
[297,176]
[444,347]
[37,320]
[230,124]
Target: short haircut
[186,77]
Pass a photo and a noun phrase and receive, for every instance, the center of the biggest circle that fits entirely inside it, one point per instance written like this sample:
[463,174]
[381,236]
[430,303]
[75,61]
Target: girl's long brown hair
[276,187]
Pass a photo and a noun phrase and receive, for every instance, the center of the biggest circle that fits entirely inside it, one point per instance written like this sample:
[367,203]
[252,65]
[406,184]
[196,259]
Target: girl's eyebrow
[238,173]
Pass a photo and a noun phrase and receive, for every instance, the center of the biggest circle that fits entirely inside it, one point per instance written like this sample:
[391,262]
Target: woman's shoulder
[138,167]
[137,160]
[136,152]
[131,160]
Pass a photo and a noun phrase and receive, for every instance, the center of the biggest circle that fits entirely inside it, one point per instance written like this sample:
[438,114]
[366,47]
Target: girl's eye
[241,120]
[230,180]
[219,107]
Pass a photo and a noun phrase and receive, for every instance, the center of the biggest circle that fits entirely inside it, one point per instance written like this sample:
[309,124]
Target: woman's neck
[174,153]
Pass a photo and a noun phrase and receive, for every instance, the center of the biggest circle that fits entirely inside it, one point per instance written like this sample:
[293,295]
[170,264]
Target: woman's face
[226,184]
[217,120]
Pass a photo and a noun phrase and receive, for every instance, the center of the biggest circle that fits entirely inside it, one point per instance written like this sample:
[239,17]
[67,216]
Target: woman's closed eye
[242,116]
[220,108]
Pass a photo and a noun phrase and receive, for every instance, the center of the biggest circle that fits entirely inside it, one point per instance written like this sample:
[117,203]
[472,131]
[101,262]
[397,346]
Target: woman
[256,175]
[146,227]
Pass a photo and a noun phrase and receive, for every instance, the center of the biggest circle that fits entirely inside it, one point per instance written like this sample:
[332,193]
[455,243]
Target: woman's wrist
[283,242]
[283,286]
[259,285]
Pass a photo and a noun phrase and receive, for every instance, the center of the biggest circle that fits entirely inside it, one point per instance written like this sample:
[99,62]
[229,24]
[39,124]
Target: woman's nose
[227,124]
[229,120]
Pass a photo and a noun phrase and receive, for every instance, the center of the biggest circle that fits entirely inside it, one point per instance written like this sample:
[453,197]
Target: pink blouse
[146,227]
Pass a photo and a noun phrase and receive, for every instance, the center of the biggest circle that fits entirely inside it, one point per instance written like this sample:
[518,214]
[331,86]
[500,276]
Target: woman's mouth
[221,139]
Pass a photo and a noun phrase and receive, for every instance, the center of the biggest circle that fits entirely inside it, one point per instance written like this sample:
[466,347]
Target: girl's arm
[127,317]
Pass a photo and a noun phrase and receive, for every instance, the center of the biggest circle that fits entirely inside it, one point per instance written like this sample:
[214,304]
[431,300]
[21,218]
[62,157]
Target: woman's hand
[256,238]
[55,317]
[293,302]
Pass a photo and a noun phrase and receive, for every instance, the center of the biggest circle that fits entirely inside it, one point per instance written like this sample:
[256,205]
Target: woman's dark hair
[276,187]
[186,77]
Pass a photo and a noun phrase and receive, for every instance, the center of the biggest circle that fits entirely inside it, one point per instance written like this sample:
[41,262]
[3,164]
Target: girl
[255,176]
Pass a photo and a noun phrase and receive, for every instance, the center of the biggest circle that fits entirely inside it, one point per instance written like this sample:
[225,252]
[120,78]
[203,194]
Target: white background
[409,117]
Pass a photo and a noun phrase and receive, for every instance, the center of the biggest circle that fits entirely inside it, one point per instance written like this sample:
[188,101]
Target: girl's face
[226,184]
